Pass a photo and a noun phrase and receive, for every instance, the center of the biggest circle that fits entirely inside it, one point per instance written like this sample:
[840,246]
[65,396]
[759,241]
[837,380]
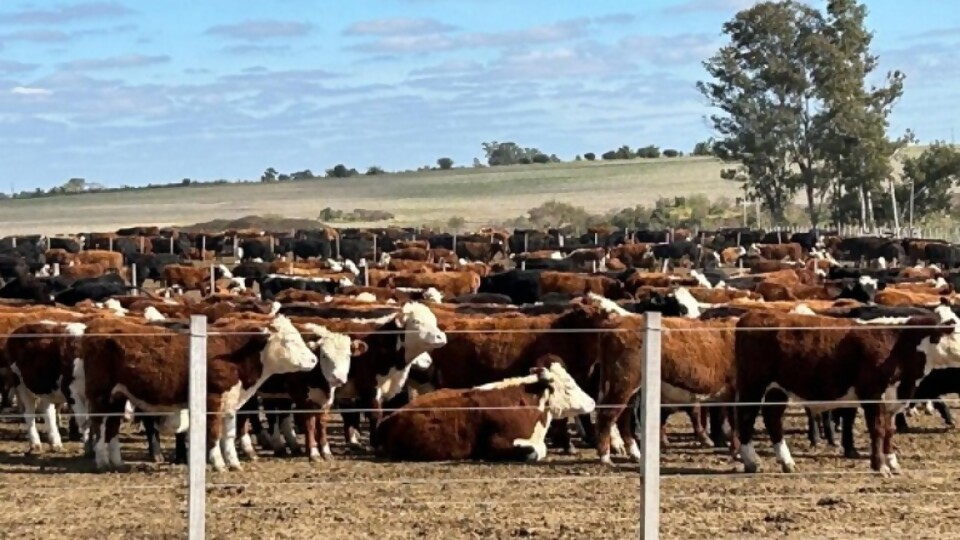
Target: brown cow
[59,256]
[110,260]
[82,270]
[841,361]
[148,366]
[505,420]
[410,254]
[791,251]
[580,284]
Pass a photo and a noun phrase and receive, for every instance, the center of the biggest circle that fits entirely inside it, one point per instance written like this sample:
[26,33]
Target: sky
[125,92]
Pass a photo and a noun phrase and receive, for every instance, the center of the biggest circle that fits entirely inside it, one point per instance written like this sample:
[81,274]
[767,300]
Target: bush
[541,158]
[610,155]
[445,163]
[525,160]
[671,153]
[373,171]
[456,223]
[704,148]
[589,156]
[649,152]
[578,158]
[340,171]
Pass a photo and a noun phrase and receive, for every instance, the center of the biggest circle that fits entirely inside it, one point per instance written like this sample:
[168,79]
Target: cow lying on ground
[501,421]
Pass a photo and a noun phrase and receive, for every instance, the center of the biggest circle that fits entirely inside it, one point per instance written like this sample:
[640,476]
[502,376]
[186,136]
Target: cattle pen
[702,494]
[678,483]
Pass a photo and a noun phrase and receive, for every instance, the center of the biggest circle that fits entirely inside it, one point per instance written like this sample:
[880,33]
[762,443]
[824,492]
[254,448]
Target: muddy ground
[59,496]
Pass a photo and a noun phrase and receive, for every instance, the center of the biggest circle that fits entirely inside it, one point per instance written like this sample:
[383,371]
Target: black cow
[313,247]
[479,298]
[522,286]
[943,255]
[151,265]
[257,248]
[96,289]
[70,245]
[273,284]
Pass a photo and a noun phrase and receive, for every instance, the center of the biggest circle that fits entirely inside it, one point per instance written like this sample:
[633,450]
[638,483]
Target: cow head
[286,351]
[566,399]
[334,352]
[421,331]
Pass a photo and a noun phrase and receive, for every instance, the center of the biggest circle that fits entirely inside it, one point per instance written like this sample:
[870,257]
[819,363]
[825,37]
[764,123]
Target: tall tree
[933,174]
[794,108]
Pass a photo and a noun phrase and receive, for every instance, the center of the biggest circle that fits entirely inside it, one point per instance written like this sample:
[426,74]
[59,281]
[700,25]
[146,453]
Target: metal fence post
[650,428]
[198,428]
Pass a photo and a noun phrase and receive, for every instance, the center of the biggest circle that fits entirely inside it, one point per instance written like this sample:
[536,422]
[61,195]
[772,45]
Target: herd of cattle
[481,346]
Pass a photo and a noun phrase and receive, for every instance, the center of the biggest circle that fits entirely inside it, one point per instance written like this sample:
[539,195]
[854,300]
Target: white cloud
[28,91]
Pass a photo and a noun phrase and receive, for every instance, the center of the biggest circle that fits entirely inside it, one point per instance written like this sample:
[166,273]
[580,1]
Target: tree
[795,111]
[578,158]
[541,158]
[703,148]
[671,153]
[589,156]
[74,185]
[507,153]
[305,174]
[283,177]
[269,175]
[934,173]
[610,155]
[477,164]
[445,163]
[373,171]
[649,152]
[456,223]
[185,182]
[340,171]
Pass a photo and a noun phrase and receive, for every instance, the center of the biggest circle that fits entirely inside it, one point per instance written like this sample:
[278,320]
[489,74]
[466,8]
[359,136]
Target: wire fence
[565,485]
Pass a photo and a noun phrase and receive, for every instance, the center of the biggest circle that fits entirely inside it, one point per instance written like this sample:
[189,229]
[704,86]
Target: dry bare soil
[58,496]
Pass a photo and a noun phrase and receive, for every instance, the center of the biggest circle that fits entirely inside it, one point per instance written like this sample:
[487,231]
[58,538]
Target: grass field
[480,196]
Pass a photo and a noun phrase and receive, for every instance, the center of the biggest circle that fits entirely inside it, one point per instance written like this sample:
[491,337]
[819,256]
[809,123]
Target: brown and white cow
[505,420]
[148,366]
[806,358]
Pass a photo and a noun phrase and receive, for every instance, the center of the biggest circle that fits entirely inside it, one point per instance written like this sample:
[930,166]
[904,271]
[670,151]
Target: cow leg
[944,411]
[695,413]
[317,443]
[715,416]
[180,449]
[375,416]
[587,429]
[888,450]
[847,417]
[228,443]
[246,441]
[632,448]
[108,445]
[289,434]
[746,418]
[74,434]
[214,432]
[274,420]
[606,417]
[900,421]
[153,439]
[52,421]
[665,414]
[813,429]
[351,430]
[559,434]
[826,422]
[772,411]
[875,425]
[29,402]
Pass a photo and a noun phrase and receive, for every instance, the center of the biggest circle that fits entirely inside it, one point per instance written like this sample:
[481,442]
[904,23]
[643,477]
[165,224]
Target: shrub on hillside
[671,153]
[649,152]
[589,156]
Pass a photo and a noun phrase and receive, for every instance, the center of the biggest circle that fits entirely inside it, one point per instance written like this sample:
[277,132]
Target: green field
[480,196]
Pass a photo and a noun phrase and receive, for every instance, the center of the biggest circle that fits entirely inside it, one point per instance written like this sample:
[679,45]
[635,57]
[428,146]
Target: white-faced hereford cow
[501,421]
[149,367]
[40,355]
[781,357]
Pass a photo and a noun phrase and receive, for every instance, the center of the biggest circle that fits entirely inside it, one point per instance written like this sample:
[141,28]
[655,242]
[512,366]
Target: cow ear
[358,348]
[944,301]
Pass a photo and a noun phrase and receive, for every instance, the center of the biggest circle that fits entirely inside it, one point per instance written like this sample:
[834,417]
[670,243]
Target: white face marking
[334,351]
[802,309]
[392,383]
[366,297]
[152,314]
[606,305]
[422,333]
[286,351]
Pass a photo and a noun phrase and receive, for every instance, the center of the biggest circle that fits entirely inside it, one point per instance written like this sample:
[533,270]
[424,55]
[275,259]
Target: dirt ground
[59,496]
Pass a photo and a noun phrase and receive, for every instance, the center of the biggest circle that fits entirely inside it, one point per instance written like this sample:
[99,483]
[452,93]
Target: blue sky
[124,92]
